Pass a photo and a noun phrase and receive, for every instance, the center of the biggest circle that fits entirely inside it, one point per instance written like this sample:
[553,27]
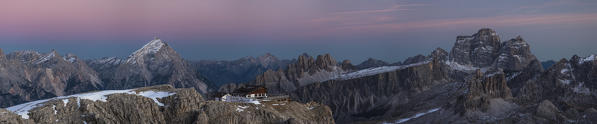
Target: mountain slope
[29,75]
[238,71]
[153,64]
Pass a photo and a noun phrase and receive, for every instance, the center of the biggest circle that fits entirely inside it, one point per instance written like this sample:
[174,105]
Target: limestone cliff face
[305,70]
[570,82]
[479,50]
[481,89]
[180,106]
[351,99]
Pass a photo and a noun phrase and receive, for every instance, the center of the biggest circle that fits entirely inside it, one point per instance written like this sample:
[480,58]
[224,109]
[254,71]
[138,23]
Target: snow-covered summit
[150,48]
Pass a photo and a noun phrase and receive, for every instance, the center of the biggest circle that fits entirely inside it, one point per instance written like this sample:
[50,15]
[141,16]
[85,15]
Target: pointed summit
[152,47]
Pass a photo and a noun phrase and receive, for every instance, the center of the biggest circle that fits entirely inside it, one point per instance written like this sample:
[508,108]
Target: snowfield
[374,71]
[102,96]
[415,116]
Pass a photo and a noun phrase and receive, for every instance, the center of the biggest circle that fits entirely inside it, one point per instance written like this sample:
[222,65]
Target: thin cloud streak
[518,20]
[397,7]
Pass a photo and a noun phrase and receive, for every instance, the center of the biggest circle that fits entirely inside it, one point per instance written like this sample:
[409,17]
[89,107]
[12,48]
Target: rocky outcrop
[29,75]
[571,83]
[155,63]
[515,55]
[162,104]
[481,89]
[304,71]
[547,110]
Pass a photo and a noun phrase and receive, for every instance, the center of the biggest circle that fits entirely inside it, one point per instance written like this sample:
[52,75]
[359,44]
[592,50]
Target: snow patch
[587,59]
[375,70]
[65,101]
[69,59]
[23,109]
[512,76]
[150,48]
[580,89]
[154,95]
[241,108]
[565,81]
[415,116]
[255,102]
[563,71]
[54,107]
[457,66]
[46,58]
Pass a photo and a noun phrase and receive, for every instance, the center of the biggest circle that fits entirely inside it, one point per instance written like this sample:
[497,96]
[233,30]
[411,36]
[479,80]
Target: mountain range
[482,79]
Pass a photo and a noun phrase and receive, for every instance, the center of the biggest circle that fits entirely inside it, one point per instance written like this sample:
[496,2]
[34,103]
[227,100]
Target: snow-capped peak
[150,48]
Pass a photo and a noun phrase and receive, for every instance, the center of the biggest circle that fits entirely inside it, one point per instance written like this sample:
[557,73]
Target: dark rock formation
[547,64]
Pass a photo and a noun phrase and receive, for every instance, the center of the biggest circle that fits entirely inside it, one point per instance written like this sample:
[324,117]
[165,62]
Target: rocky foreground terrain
[160,104]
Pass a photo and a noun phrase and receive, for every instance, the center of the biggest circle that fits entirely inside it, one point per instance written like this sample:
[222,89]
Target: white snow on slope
[456,66]
[150,48]
[65,101]
[241,108]
[154,95]
[587,59]
[375,70]
[23,109]
[415,116]
[46,58]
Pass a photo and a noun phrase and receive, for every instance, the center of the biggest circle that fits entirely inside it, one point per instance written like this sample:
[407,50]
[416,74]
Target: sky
[390,30]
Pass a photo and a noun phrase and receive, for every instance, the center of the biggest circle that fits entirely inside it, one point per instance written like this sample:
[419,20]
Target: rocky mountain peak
[325,61]
[478,50]
[439,54]
[152,47]
[515,55]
